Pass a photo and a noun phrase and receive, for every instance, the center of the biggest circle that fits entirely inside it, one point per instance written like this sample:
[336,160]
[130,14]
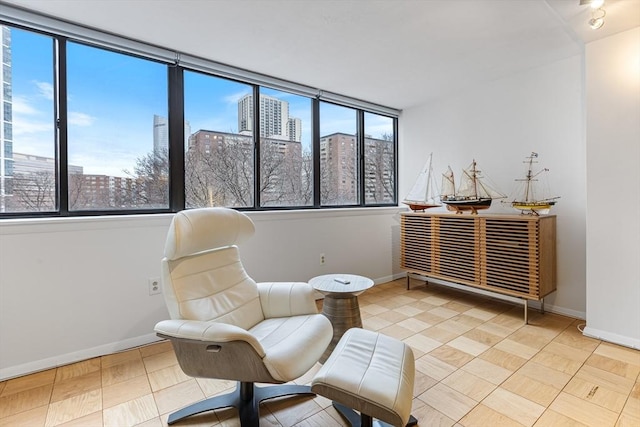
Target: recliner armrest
[285,299]
[207,332]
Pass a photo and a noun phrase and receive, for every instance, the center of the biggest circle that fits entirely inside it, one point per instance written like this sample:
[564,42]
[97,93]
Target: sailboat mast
[474,176]
[529,178]
[453,182]
[428,191]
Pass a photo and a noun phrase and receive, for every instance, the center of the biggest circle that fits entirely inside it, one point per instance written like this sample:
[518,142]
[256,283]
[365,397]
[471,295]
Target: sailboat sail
[448,184]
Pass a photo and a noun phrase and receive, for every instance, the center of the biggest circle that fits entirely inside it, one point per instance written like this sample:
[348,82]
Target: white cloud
[45,89]
[235,97]
[80,119]
[28,120]
[23,106]
[26,127]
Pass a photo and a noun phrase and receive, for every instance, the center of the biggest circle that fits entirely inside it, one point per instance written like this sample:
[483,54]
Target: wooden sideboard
[513,255]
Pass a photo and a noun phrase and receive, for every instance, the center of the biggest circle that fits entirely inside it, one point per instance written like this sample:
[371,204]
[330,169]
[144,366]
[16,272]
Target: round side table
[340,304]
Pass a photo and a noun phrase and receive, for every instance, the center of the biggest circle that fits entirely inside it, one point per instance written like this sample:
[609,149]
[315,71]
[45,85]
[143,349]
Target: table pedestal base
[343,311]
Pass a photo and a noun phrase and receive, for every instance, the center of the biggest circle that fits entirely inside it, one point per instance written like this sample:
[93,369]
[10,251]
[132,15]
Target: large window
[339,150]
[219,158]
[379,159]
[117,131]
[27,136]
[286,161]
[91,129]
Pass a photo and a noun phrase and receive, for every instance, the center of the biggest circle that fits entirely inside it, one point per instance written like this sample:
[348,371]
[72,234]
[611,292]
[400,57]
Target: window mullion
[60,96]
[361,157]
[315,142]
[176,139]
[395,161]
[256,147]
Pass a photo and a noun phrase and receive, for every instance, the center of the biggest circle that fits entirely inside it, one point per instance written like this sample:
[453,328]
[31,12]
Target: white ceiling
[396,53]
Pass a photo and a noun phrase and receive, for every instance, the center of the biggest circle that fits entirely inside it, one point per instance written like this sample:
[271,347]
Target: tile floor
[477,364]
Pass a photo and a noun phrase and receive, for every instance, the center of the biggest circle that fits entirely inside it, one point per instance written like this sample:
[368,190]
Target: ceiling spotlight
[597,12]
[597,18]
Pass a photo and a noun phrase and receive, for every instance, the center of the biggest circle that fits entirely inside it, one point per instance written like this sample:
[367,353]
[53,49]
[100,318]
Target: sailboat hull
[463,205]
[534,208]
[420,206]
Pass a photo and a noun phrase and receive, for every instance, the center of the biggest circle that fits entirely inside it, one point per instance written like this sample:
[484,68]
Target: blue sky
[112,99]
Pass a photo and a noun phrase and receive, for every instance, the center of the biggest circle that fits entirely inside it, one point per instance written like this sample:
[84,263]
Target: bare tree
[273,173]
[150,182]
[232,168]
[379,170]
[306,179]
[77,195]
[34,192]
[220,175]
[200,187]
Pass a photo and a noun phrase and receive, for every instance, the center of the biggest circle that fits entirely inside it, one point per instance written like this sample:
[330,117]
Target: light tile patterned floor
[477,364]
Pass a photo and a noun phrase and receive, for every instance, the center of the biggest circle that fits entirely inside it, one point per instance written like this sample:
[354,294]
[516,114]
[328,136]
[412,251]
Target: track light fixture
[597,12]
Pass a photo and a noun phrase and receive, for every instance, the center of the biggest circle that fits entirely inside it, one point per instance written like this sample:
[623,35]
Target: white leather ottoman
[371,373]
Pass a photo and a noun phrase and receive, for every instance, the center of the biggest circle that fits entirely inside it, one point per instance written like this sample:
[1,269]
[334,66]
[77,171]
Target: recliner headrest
[197,230]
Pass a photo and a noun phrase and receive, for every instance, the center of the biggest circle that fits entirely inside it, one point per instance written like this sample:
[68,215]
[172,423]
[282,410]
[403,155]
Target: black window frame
[176,120]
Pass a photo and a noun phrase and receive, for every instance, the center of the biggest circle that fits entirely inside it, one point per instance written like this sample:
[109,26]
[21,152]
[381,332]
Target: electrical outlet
[321,259]
[154,286]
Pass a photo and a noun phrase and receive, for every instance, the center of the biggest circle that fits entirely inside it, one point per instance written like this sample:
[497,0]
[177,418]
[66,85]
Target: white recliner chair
[223,325]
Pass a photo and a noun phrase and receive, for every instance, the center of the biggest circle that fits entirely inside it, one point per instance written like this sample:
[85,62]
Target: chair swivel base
[245,398]
[363,420]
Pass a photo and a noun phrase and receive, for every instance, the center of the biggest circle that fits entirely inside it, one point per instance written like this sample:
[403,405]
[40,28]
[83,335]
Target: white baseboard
[559,310]
[387,279]
[611,337]
[65,359]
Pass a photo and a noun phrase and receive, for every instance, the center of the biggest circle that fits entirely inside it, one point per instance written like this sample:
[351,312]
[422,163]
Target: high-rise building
[6,130]
[275,122]
[245,115]
[339,166]
[294,129]
[207,141]
[161,133]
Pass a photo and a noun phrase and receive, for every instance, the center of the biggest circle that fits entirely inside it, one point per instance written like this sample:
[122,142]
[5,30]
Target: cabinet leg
[526,311]
[408,282]
[542,306]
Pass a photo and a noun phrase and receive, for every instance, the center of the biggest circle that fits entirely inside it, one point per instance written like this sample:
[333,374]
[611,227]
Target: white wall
[613,188]
[501,123]
[76,288]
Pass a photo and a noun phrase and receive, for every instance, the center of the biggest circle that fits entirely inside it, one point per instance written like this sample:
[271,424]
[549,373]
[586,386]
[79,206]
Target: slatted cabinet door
[511,261]
[457,249]
[416,241]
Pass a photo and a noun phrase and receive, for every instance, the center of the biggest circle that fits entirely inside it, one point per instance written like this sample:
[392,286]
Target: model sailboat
[528,199]
[423,194]
[473,194]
